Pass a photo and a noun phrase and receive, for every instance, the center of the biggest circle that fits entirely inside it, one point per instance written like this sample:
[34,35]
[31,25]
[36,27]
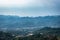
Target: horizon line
[30,16]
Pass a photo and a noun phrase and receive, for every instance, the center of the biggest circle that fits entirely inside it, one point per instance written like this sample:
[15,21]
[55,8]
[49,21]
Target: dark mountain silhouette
[48,31]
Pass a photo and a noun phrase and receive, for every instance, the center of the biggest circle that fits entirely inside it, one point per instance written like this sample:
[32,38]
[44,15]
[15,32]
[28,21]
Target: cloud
[15,2]
[30,7]
[26,2]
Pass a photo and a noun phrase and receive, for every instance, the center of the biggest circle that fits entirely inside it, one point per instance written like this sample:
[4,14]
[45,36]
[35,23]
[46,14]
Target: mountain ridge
[20,22]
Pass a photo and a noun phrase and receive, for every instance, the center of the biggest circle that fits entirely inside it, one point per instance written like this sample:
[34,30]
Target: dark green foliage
[8,36]
[5,36]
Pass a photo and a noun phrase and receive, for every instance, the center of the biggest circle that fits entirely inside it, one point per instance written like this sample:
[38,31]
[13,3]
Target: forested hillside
[21,22]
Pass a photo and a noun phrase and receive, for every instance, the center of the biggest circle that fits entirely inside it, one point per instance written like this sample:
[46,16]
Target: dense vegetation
[42,34]
[5,36]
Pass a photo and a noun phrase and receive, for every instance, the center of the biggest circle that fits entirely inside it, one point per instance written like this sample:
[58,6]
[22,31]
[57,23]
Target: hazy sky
[30,7]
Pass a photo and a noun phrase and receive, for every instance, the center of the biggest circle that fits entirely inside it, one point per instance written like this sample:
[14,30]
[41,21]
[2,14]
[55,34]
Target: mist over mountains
[29,22]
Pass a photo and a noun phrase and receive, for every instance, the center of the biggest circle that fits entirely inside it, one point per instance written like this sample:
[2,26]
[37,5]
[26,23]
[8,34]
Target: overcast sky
[30,7]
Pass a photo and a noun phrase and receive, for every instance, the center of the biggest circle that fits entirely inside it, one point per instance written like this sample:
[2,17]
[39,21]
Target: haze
[29,7]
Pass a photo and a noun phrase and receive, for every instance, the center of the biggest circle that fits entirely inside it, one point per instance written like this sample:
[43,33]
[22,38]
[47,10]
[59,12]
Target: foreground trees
[5,36]
[38,37]
[8,36]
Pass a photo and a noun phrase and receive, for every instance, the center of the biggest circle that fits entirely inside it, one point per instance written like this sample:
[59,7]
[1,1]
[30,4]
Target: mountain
[48,31]
[15,22]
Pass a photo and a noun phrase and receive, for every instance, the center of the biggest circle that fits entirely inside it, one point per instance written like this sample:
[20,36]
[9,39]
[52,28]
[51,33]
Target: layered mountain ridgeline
[26,22]
[24,25]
